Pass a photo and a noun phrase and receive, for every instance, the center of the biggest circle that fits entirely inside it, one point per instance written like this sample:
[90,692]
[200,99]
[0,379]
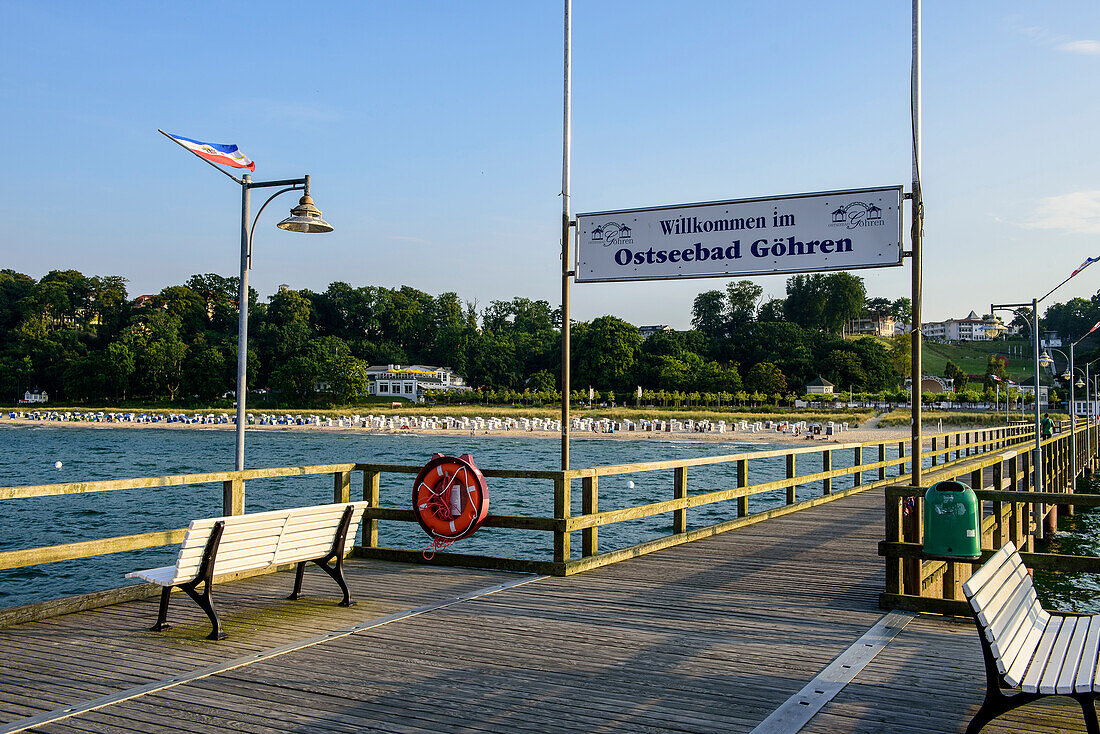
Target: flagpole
[567,142]
[917,210]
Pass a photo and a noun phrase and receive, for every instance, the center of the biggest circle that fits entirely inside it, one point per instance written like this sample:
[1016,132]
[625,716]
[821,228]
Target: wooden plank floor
[707,637]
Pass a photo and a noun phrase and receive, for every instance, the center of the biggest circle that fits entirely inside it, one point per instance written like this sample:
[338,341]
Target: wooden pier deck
[711,636]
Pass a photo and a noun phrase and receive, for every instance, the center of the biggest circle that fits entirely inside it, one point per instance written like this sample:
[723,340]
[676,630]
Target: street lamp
[1037,462]
[303,218]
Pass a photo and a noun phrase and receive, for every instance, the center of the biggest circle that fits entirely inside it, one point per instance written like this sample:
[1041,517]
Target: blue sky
[432,131]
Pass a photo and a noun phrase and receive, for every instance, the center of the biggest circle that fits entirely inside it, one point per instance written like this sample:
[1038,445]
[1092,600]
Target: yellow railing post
[562,504]
[233,497]
[372,481]
[742,481]
[590,504]
[791,473]
[341,487]
[680,490]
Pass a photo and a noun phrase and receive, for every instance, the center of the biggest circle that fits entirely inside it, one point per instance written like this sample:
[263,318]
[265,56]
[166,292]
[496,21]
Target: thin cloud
[1087,48]
[1077,212]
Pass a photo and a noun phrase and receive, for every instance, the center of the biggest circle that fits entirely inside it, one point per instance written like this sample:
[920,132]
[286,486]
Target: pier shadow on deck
[711,636]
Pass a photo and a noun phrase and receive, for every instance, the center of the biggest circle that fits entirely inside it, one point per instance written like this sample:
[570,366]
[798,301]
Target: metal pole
[1072,421]
[242,323]
[565,259]
[917,224]
[1038,509]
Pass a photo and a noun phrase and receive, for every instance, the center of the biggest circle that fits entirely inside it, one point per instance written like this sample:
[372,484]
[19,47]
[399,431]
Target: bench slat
[1019,602]
[1042,654]
[988,600]
[1016,670]
[1021,641]
[979,577]
[1073,660]
[1048,684]
[1087,669]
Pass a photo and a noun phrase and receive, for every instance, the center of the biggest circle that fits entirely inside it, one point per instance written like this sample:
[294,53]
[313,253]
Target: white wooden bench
[263,540]
[1027,648]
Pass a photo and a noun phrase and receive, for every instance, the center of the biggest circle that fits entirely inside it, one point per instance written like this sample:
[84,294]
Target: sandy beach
[868,433]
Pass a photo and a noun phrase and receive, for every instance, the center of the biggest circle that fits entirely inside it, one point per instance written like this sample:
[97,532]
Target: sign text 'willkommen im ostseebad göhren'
[837,230]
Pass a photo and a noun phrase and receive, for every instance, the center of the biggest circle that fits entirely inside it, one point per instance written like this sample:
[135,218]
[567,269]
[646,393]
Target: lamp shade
[305,218]
[1045,360]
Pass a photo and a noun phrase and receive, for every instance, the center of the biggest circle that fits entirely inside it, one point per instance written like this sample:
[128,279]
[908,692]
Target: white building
[647,331]
[38,396]
[820,386]
[870,326]
[410,381]
[968,329]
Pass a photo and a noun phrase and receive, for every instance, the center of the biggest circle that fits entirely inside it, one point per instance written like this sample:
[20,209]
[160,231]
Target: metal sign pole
[565,259]
[917,226]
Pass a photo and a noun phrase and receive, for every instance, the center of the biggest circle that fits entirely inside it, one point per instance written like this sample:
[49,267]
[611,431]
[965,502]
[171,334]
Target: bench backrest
[1003,599]
[263,539]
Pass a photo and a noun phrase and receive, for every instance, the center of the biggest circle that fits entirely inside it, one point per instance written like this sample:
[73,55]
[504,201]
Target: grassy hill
[972,357]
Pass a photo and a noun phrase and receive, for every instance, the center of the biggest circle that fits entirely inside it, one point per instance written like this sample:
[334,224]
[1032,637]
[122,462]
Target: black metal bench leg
[162,615]
[1088,708]
[297,593]
[337,574]
[205,601]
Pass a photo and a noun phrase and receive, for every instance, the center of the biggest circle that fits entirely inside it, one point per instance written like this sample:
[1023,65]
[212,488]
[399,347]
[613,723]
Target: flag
[1094,328]
[997,379]
[226,155]
[1088,261]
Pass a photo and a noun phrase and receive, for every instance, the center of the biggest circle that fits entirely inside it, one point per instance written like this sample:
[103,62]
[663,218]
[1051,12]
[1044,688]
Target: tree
[995,367]
[708,315]
[765,377]
[741,298]
[772,310]
[606,352]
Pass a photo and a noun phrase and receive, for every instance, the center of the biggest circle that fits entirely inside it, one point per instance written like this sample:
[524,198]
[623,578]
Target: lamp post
[303,218]
[1068,375]
[1037,463]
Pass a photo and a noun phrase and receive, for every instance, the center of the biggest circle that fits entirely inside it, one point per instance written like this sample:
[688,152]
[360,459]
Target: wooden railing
[948,452]
[1010,510]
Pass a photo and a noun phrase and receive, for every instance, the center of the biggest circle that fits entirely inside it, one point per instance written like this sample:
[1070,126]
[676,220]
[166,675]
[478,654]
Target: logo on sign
[857,214]
[612,233]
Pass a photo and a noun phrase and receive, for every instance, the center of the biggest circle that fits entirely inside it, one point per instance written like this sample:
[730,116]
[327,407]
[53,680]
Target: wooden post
[881,459]
[561,512]
[912,528]
[341,487]
[590,504]
[827,465]
[790,475]
[679,491]
[903,466]
[893,535]
[999,507]
[935,458]
[233,497]
[857,461]
[372,481]
[742,481]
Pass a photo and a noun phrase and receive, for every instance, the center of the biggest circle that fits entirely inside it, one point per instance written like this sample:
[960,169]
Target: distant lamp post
[305,217]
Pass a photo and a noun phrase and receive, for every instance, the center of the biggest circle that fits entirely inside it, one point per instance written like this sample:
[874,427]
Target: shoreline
[861,434]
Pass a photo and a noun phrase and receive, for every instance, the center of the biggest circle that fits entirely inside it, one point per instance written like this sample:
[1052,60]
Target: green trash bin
[951,522]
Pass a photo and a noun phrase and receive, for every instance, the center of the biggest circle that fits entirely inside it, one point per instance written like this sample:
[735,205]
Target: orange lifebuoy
[450,497]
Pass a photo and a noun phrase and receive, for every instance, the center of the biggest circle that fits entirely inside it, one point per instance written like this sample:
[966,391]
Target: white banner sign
[836,230]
